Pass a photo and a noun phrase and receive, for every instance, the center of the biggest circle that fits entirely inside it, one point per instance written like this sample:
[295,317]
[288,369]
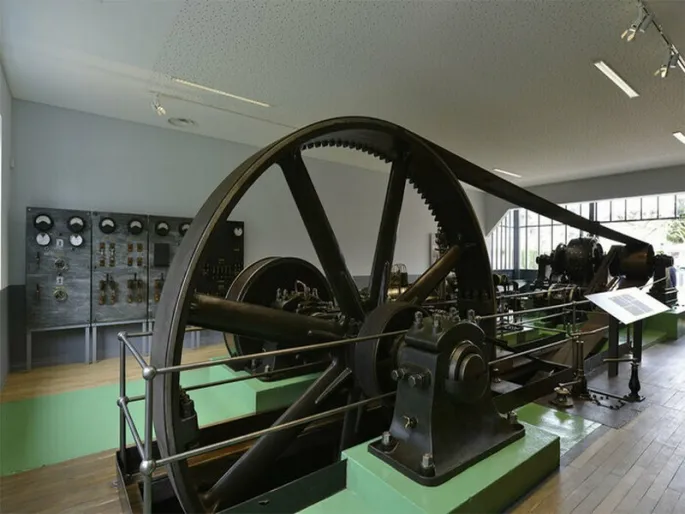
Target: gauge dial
[238,231]
[43,222]
[43,239]
[76,224]
[76,240]
[162,228]
[183,228]
[108,225]
[135,226]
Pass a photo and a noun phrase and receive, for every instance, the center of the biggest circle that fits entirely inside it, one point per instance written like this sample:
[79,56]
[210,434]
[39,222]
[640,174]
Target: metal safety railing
[144,444]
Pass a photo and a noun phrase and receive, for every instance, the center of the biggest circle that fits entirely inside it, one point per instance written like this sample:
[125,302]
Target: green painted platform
[54,428]
[672,323]
[569,428]
[488,486]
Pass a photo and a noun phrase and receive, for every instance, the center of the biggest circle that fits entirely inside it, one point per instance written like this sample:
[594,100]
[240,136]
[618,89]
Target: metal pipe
[122,416]
[431,278]
[528,311]
[259,321]
[247,437]
[528,352]
[504,296]
[131,425]
[123,337]
[555,330]
[239,379]
[148,333]
[284,351]
[147,459]
[590,332]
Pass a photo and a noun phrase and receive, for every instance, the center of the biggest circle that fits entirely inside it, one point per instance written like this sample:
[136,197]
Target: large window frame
[522,235]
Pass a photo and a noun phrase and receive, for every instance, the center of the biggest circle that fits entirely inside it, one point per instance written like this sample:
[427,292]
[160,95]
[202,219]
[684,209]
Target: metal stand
[29,342]
[94,331]
[612,368]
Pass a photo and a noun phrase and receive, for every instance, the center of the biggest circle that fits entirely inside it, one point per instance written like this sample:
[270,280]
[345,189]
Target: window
[650,207]
[522,235]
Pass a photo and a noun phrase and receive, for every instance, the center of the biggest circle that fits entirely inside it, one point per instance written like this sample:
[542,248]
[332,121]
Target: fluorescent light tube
[507,173]
[219,92]
[679,136]
[615,78]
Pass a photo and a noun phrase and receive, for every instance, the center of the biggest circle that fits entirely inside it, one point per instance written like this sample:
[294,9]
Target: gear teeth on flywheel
[431,193]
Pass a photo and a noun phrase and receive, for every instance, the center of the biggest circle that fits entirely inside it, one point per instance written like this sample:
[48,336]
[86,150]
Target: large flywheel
[361,366]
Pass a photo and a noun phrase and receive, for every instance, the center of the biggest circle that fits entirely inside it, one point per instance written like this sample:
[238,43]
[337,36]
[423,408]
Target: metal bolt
[267,368]
[387,439]
[471,315]
[417,380]
[427,461]
[409,422]
[398,374]
[437,325]
[418,319]
[512,417]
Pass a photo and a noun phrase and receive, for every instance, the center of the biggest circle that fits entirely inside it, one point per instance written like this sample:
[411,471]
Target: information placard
[628,305]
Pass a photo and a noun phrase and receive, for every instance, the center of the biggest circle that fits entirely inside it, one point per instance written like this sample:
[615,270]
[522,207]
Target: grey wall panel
[57,271]
[4,335]
[168,243]
[119,289]
[16,299]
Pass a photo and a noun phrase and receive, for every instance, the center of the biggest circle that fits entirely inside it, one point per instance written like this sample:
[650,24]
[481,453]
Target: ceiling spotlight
[642,22]
[672,62]
[679,136]
[516,175]
[157,107]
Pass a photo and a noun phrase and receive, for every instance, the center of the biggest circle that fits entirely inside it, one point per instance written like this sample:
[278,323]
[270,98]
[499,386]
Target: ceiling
[504,84]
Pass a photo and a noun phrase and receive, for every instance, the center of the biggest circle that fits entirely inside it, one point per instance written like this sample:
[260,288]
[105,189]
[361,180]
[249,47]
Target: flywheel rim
[436,184]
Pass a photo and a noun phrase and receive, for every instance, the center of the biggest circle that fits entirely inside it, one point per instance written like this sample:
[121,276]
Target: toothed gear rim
[429,174]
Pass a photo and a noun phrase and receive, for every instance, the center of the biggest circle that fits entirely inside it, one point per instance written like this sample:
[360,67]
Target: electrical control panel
[165,236]
[224,259]
[119,290]
[58,247]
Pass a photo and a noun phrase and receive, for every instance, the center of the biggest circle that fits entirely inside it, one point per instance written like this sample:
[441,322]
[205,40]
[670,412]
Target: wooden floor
[639,468]
[60,379]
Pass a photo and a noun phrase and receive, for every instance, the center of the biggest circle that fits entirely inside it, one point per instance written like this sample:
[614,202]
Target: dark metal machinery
[447,360]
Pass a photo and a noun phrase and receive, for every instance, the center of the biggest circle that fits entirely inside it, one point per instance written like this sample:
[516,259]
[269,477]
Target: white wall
[6,113]
[68,159]
[624,185]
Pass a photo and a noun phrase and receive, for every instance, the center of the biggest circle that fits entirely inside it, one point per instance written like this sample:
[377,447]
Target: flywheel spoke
[261,322]
[432,277]
[321,234]
[387,232]
[267,449]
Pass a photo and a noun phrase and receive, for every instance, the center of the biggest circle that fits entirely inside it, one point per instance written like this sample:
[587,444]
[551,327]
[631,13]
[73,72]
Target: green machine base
[672,323]
[491,485]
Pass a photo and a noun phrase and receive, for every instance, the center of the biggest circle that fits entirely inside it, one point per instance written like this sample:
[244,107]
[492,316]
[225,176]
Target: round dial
[107,225]
[238,231]
[76,240]
[43,222]
[162,228]
[76,224]
[43,239]
[60,294]
[183,228]
[135,226]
